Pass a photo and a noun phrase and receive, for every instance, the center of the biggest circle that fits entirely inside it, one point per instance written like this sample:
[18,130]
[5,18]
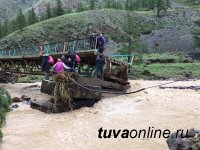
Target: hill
[9,8]
[77,25]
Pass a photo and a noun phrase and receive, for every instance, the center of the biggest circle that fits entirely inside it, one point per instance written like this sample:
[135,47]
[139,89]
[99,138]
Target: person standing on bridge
[72,56]
[46,66]
[101,43]
[100,62]
[60,67]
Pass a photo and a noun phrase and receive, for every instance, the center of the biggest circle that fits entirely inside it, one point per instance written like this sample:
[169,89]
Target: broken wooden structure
[83,89]
[28,61]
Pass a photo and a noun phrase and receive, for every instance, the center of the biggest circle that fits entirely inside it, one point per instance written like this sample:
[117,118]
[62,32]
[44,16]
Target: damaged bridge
[28,61]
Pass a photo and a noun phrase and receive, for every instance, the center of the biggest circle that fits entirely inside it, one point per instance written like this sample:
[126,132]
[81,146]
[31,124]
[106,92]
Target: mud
[163,109]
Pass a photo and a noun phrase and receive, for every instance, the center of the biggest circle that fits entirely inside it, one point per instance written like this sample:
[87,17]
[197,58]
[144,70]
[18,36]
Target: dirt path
[163,109]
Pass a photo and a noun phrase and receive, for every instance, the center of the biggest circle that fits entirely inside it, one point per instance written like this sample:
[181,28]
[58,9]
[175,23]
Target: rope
[122,93]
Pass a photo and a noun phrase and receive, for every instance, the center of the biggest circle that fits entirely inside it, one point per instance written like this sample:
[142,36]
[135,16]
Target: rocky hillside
[170,33]
[9,8]
[176,35]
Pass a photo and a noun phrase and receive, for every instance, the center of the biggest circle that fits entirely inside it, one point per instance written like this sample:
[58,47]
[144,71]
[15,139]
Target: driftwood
[67,95]
[182,87]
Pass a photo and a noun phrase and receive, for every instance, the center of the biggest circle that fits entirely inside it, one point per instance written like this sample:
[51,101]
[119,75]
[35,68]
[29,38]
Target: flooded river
[28,129]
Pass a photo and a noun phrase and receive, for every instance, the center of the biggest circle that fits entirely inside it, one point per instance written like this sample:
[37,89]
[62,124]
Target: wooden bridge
[28,60]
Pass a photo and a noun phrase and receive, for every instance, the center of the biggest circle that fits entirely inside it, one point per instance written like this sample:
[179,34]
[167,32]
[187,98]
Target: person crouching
[60,67]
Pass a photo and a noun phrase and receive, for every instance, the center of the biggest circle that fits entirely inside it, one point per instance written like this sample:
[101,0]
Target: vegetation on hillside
[189,2]
[21,21]
[77,25]
[5,102]
[196,34]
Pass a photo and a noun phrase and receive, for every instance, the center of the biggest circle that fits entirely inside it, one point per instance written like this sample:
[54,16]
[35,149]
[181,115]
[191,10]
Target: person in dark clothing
[93,41]
[72,56]
[46,66]
[101,43]
[100,62]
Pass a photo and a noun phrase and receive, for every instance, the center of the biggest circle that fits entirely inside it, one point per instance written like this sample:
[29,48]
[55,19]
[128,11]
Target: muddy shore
[160,108]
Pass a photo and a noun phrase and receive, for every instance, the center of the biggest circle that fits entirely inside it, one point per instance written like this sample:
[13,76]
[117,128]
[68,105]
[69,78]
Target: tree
[1,33]
[100,7]
[127,5]
[12,25]
[32,18]
[92,4]
[160,5]
[20,20]
[80,7]
[114,4]
[108,4]
[119,5]
[59,9]
[151,4]
[48,12]
[168,3]
[5,28]
[69,11]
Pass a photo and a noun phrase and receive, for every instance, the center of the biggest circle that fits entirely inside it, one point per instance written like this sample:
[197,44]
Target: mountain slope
[9,8]
[78,25]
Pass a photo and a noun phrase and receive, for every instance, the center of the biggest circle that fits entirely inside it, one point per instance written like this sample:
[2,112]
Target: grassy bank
[165,66]
[5,102]
[30,79]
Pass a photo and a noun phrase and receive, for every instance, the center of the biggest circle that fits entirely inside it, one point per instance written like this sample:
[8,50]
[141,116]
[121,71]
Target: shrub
[5,102]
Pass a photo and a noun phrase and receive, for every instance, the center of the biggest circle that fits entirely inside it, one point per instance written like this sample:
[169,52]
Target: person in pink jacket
[60,67]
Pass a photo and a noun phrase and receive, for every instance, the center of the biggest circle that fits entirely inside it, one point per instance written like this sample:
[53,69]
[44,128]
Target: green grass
[177,58]
[30,79]
[166,71]
[76,25]
[5,102]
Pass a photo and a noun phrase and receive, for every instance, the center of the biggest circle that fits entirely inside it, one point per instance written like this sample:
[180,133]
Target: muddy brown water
[28,129]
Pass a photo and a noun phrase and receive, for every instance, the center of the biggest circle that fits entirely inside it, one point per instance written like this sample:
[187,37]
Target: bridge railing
[51,48]
[124,57]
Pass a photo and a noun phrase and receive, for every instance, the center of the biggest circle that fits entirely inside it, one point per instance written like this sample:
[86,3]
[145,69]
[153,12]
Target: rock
[15,106]
[25,98]
[146,62]
[26,102]
[188,60]
[190,141]
[191,133]
[188,74]
[16,100]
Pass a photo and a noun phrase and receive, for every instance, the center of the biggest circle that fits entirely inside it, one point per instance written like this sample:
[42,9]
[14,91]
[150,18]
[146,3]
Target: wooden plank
[47,87]
[48,107]
[101,83]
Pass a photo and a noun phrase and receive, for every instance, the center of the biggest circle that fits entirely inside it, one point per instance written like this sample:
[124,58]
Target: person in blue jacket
[101,43]
[100,62]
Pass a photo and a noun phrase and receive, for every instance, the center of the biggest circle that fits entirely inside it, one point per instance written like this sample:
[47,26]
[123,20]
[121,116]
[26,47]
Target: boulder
[16,100]
[189,141]
[25,98]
